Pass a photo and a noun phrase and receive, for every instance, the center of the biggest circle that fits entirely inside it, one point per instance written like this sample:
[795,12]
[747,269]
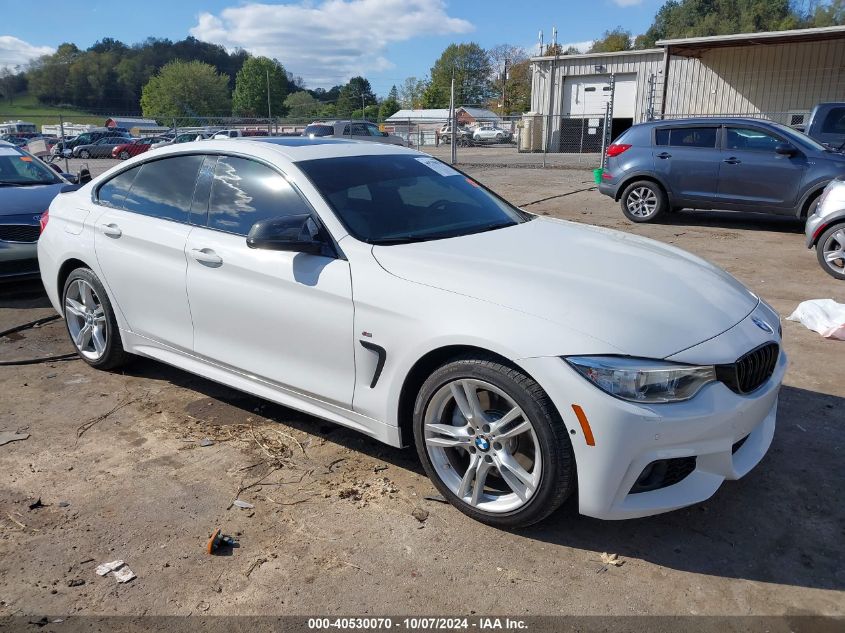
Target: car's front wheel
[643,201]
[123,155]
[85,154]
[493,443]
[830,251]
[90,321]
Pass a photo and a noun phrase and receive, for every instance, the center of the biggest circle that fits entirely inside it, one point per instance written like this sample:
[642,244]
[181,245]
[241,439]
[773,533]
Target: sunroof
[295,141]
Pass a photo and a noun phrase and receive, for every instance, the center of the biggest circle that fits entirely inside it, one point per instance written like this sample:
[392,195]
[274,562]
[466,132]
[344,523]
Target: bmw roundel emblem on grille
[482,443]
[760,323]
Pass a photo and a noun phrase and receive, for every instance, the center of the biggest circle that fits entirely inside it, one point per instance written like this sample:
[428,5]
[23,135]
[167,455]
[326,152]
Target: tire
[123,155]
[447,457]
[499,138]
[832,243]
[643,201]
[85,154]
[103,351]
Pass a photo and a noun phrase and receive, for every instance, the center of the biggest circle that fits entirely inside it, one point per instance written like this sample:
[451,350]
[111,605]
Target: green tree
[827,13]
[411,93]
[186,88]
[353,94]
[251,84]
[471,66]
[612,41]
[301,105]
[699,18]
[390,105]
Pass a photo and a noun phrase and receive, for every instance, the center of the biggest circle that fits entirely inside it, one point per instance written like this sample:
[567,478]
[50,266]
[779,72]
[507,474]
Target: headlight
[641,379]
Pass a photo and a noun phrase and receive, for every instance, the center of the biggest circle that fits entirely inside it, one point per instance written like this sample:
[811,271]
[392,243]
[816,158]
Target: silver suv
[355,130]
[825,229]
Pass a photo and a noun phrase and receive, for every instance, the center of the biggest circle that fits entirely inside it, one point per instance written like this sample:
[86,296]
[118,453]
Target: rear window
[318,130]
[834,122]
[686,137]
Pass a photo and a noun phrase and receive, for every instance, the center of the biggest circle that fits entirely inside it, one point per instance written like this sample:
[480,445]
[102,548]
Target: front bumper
[18,260]
[629,436]
[814,221]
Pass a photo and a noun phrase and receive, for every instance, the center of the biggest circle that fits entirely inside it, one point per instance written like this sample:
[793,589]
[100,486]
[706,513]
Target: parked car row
[731,164]
[485,133]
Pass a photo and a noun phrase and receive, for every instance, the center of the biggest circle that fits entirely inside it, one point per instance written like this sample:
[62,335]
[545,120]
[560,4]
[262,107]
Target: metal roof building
[441,115]
[780,75]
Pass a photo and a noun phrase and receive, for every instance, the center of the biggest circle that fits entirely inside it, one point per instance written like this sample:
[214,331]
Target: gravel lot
[332,530]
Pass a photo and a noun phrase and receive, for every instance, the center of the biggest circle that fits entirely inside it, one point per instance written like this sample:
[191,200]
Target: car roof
[294,148]
[708,121]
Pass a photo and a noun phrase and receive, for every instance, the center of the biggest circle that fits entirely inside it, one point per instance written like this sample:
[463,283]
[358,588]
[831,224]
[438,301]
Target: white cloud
[15,52]
[627,3]
[582,47]
[327,42]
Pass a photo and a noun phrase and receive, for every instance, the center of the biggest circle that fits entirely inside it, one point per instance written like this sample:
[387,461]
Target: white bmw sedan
[371,285]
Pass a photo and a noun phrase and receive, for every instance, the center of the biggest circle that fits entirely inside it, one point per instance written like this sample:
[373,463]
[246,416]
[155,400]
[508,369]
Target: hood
[25,200]
[642,297]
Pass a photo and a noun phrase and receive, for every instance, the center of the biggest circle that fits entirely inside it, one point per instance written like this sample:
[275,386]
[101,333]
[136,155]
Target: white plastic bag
[824,316]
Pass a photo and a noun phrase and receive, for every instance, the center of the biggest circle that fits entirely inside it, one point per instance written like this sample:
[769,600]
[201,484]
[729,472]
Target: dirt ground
[118,463]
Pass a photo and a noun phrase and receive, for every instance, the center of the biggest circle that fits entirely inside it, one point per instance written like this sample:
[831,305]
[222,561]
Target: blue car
[708,163]
[27,186]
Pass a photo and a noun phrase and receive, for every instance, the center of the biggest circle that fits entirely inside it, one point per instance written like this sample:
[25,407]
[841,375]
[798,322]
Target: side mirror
[70,177]
[297,233]
[786,149]
[84,176]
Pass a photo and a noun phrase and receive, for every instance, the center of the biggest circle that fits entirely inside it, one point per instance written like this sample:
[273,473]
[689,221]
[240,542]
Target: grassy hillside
[26,108]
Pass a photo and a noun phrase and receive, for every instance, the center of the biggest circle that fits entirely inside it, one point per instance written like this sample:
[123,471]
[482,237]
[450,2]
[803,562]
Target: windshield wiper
[410,239]
[28,183]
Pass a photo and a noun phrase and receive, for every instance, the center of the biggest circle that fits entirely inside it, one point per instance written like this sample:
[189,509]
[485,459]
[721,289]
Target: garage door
[588,95]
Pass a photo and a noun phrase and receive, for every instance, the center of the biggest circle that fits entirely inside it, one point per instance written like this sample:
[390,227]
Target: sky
[323,41]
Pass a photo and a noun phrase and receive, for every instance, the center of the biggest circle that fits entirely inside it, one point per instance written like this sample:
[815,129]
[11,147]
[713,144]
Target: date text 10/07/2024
[418,624]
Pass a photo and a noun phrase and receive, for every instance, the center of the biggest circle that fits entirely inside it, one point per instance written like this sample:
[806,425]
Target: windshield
[318,130]
[394,199]
[799,137]
[19,168]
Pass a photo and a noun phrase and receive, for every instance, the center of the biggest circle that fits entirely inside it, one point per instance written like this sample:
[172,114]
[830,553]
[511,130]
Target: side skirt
[262,388]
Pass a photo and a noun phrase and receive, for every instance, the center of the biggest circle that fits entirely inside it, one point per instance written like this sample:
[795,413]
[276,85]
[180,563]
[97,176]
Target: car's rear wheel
[123,155]
[493,443]
[830,251]
[90,321]
[85,154]
[643,201]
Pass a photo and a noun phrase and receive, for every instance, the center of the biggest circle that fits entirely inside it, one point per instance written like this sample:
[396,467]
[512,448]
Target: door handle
[664,155]
[112,230]
[732,161]
[206,256]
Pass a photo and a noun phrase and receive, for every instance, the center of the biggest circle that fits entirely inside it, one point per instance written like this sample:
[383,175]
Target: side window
[245,191]
[373,130]
[749,138]
[359,129]
[661,137]
[834,122]
[164,188]
[704,137]
[346,130]
[112,192]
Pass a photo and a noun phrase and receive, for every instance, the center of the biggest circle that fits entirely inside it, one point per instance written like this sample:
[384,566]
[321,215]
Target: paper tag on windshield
[9,151]
[435,165]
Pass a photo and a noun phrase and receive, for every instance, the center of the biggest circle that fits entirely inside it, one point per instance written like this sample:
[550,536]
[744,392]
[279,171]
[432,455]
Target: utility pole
[453,123]
[269,113]
[505,89]
[64,141]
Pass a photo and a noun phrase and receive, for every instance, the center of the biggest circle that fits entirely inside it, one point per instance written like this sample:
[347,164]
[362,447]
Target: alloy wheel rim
[482,445]
[86,320]
[834,251]
[641,202]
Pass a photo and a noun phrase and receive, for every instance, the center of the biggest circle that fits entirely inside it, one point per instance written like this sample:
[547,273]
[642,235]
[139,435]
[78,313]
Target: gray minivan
[733,164]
